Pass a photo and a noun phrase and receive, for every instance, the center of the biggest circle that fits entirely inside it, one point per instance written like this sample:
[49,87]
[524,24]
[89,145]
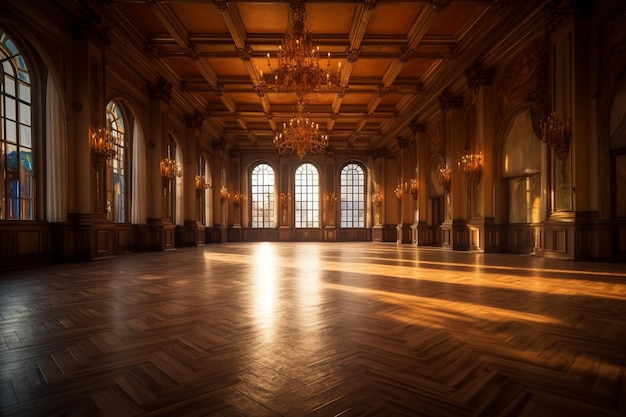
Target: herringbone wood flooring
[314,329]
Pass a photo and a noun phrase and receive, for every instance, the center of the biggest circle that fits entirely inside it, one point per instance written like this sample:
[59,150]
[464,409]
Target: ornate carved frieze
[93,30]
[447,101]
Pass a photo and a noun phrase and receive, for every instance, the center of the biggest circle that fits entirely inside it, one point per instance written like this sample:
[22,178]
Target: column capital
[449,102]
[194,121]
[91,29]
[160,90]
[477,76]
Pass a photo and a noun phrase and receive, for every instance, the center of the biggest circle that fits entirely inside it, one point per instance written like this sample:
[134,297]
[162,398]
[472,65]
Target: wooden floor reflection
[314,329]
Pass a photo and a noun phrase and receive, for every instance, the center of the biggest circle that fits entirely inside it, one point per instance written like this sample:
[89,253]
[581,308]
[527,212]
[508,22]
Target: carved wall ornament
[194,120]
[151,50]
[161,90]
[452,53]
[221,5]
[447,101]
[439,5]
[560,11]
[437,138]
[477,76]
[91,29]
[524,79]
[406,54]
[259,91]
[192,52]
[352,54]
[379,153]
[341,93]
[218,144]
[218,89]
[381,90]
[417,126]
[245,53]
[402,142]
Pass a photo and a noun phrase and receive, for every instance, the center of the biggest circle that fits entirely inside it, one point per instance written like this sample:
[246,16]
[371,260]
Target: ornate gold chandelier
[299,68]
[301,134]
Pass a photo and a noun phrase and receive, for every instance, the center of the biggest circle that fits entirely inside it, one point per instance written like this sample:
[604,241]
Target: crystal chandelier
[299,68]
[301,134]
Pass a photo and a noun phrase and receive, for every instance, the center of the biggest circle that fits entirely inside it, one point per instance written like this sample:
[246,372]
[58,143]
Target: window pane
[10,108]
[25,114]
[115,122]
[307,197]
[262,192]
[352,200]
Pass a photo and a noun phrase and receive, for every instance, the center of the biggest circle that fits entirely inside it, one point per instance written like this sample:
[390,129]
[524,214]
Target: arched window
[118,194]
[352,197]
[262,182]
[17,180]
[307,197]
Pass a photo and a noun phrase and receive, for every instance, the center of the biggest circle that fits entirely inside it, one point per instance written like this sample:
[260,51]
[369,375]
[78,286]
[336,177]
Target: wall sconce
[471,165]
[170,169]
[377,199]
[202,183]
[412,187]
[556,133]
[331,198]
[444,176]
[102,146]
[237,199]
[398,192]
[224,194]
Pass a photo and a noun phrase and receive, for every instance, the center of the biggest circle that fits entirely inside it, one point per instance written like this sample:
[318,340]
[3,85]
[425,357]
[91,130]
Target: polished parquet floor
[314,329]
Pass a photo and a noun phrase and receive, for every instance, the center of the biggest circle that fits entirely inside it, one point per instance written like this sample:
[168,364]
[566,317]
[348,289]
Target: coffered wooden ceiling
[397,58]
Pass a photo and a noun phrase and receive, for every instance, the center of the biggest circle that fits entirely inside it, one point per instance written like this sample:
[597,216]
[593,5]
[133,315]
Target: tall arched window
[118,194]
[352,197]
[17,180]
[307,197]
[262,192]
